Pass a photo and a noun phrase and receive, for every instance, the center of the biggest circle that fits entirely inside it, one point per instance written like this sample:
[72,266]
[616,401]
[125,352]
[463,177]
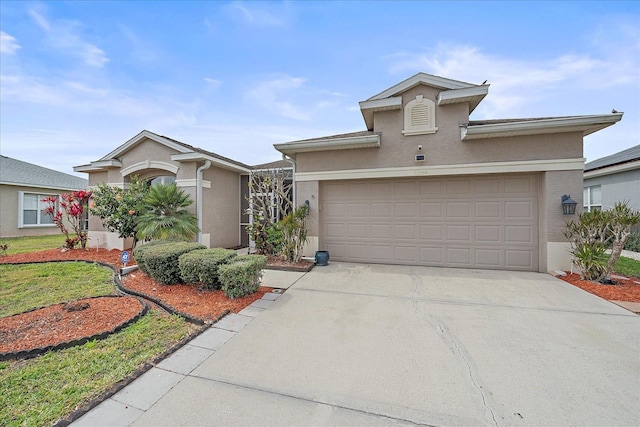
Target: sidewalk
[124,407]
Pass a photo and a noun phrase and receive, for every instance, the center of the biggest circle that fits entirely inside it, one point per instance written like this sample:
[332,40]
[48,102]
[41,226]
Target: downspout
[199,172]
[292,161]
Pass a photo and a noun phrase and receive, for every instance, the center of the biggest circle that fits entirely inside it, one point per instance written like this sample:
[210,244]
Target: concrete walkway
[368,345]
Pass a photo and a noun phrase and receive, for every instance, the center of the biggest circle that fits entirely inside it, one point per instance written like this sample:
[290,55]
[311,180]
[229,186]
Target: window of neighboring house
[420,117]
[31,210]
[592,198]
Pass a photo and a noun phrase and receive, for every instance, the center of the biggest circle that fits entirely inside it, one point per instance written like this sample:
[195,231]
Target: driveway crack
[457,348]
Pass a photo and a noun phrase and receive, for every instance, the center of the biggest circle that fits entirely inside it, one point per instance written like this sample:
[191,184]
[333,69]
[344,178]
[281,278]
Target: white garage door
[483,221]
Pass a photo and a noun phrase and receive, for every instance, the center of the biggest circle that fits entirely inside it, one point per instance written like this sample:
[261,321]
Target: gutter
[199,172]
[292,161]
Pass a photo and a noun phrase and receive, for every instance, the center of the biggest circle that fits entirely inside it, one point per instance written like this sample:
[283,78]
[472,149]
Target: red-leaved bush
[72,206]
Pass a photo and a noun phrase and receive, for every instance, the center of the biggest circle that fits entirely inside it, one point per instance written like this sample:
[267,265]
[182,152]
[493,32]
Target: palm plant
[165,215]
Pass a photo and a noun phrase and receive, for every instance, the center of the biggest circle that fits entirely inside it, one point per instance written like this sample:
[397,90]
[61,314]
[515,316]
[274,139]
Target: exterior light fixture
[568,205]
[308,206]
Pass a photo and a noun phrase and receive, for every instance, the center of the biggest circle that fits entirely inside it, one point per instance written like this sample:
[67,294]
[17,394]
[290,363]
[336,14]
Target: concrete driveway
[368,345]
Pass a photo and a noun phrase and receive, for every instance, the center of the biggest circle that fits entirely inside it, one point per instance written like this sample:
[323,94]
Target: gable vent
[419,117]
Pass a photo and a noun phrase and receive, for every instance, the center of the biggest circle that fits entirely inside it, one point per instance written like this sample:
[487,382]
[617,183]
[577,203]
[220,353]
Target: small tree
[269,202]
[597,231]
[164,214]
[119,208]
[294,230]
[72,208]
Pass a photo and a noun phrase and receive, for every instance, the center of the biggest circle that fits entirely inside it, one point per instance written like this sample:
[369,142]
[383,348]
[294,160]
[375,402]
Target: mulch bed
[66,324]
[622,290]
[187,299]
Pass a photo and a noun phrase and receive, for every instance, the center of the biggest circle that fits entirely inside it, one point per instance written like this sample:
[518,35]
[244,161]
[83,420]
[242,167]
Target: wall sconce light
[308,206]
[568,205]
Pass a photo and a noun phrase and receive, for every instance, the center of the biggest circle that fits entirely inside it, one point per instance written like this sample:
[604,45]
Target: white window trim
[587,204]
[21,223]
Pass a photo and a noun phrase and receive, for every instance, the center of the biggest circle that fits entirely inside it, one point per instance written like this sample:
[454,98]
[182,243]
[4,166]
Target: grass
[21,245]
[627,267]
[42,390]
[27,286]
[39,391]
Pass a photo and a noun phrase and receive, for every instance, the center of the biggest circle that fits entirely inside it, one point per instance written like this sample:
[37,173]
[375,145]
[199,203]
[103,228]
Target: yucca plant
[165,214]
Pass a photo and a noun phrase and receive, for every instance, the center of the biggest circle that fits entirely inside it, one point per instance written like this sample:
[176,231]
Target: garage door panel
[458,233]
[487,221]
[488,233]
[431,232]
[405,231]
[488,258]
[488,210]
[355,210]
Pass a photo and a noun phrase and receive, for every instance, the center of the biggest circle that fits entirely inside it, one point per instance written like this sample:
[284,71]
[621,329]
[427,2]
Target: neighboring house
[611,179]
[22,187]
[425,185]
[422,185]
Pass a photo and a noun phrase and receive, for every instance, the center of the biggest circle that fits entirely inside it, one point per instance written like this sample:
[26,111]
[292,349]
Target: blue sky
[78,79]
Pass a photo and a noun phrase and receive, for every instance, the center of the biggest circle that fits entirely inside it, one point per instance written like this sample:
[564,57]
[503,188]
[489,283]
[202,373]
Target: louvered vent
[419,117]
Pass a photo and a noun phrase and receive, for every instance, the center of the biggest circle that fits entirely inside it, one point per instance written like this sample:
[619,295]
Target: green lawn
[20,245]
[27,286]
[627,267]
[39,391]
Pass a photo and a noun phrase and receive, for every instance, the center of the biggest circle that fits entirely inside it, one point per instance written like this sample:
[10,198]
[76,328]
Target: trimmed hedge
[161,261]
[242,276]
[140,251]
[201,266]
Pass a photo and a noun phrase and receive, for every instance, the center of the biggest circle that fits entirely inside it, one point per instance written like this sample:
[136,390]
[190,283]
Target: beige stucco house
[425,185]
[217,185]
[422,185]
[23,185]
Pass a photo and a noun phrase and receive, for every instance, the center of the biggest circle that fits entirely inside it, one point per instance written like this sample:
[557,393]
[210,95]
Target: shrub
[140,251]
[161,261]
[242,276]
[633,242]
[201,266]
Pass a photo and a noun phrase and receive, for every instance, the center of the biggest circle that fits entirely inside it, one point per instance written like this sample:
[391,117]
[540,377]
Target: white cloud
[66,37]
[516,84]
[256,14]
[277,94]
[8,44]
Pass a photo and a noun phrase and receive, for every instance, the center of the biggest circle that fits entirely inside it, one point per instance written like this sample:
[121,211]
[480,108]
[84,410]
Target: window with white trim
[31,210]
[592,198]
[420,116]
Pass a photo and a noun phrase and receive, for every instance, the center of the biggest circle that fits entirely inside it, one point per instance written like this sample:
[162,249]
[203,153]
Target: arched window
[420,117]
[165,179]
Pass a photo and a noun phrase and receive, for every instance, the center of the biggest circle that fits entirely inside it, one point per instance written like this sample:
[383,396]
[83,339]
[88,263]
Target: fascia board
[610,170]
[46,187]
[139,137]
[194,156]
[369,107]
[421,78]
[472,95]
[585,124]
[369,141]
[98,166]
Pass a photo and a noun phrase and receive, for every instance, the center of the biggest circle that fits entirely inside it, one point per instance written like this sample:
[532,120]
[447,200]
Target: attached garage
[475,221]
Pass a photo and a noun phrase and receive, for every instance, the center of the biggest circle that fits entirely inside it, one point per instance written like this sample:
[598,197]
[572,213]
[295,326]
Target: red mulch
[204,305]
[53,325]
[623,290]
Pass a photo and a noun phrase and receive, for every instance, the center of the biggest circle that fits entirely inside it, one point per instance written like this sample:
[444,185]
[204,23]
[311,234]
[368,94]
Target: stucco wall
[221,209]
[9,200]
[619,187]
[441,148]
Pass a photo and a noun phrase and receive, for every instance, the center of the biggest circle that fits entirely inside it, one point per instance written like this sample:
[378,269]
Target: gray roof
[278,164]
[340,136]
[624,156]
[203,151]
[17,172]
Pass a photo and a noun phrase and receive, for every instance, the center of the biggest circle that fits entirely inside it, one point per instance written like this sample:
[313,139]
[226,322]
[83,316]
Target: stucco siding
[619,187]
[9,202]
[221,209]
